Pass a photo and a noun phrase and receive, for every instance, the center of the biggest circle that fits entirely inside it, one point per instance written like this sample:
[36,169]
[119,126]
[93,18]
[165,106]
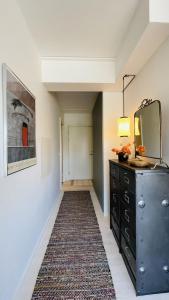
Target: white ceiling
[78,28]
[80,102]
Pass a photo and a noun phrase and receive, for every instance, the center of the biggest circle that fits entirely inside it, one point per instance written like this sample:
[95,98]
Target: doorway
[77,136]
[80,152]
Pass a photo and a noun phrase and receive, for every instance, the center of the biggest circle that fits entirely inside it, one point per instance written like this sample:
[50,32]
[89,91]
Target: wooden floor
[76,185]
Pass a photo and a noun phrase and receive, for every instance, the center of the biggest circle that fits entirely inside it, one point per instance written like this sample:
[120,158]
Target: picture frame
[19,123]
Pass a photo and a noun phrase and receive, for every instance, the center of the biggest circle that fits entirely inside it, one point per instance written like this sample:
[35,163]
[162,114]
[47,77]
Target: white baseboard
[28,280]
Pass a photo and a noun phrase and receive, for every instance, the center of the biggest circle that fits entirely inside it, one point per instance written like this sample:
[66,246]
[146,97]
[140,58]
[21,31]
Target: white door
[80,152]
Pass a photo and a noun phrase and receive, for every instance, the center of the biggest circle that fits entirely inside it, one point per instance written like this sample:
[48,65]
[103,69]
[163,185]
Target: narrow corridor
[75,264]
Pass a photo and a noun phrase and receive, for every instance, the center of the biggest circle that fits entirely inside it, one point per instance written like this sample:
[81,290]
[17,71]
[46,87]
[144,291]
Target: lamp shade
[124,127]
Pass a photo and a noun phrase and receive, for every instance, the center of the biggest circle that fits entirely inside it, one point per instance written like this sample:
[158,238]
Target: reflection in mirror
[147,130]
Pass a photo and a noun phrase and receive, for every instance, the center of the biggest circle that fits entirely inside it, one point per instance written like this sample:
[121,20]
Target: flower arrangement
[140,150]
[124,149]
[123,152]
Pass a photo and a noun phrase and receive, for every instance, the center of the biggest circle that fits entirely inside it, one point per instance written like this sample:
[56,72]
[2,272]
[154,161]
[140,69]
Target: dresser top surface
[126,165]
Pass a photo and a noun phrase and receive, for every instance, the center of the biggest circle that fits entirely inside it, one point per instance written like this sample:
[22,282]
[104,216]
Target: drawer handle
[114,184]
[126,197]
[126,180]
[127,234]
[114,212]
[127,252]
[126,215]
[112,172]
[114,198]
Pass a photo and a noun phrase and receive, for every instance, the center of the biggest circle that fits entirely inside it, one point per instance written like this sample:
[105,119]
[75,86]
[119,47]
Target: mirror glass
[147,130]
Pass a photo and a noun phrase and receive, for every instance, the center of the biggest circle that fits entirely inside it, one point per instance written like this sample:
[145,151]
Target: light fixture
[124,126]
[124,122]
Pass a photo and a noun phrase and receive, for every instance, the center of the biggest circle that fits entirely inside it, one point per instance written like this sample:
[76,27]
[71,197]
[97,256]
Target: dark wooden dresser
[139,219]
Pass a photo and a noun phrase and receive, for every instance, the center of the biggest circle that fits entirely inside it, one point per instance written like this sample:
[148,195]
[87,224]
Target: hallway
[123,286]
[62,97]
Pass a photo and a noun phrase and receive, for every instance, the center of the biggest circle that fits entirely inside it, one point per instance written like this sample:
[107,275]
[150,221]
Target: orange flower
[116,150]
[124,149]
[140,148]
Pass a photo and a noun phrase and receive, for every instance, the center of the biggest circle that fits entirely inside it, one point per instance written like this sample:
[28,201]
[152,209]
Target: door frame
[61,150]
[69,126]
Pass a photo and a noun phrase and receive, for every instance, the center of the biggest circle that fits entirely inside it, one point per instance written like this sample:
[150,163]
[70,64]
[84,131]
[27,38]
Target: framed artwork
[19,123]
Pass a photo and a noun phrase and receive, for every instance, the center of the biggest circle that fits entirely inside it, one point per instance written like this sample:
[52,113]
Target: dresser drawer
[114,171]
[129,256]
[128,214]
[127,180]
[115,212]
[115,206]
[114,184]
[128,235]
[114,199]
[115,227]
[128,198]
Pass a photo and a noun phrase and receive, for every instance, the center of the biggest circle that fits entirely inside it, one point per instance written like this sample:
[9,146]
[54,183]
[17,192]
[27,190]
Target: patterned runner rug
[75,264]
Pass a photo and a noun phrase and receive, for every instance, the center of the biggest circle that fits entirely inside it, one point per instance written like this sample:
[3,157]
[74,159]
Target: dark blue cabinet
[98,150]
[139,219]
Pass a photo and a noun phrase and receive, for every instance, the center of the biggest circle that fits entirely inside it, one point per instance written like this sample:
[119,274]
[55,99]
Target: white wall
[153,83]
[159,10]
[72,70]
[133,35]
[112,110]
[72,119]
[27,197]
[147,30]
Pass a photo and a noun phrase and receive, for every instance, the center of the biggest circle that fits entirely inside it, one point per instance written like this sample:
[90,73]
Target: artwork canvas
[19,123]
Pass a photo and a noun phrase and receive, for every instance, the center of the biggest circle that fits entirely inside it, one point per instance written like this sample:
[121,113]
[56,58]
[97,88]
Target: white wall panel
[26,197]
[112,110]
[152,82]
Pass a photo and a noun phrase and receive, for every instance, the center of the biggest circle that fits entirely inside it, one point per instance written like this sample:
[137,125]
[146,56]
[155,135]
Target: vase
[122,156]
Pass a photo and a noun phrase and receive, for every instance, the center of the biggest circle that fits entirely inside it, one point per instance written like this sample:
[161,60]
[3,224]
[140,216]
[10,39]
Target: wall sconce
[124,126]
[124,122]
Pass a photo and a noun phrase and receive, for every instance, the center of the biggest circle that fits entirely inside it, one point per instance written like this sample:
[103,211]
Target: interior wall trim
[78,58]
